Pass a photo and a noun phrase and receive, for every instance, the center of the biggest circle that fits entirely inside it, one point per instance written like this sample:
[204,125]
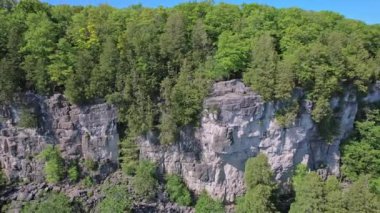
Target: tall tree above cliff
[262,72]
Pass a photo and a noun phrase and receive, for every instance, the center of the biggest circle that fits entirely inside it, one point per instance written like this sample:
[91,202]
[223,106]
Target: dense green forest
[156,65]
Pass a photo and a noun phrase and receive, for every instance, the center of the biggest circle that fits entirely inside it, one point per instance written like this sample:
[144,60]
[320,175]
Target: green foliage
[256,200]
[361,154]
[232,55]
[187,96]
[90,164]
[129,155]
[88,181]
[359,197]
[262,72]
[54,164]
[3,178]
[144,183]
[205,204]
[73,173]
[27,119]
[309,193]
[288,114]
[92,53]
[53,201]
[315,195]
[260,184]
[116,199]
[257,171]
[177,190]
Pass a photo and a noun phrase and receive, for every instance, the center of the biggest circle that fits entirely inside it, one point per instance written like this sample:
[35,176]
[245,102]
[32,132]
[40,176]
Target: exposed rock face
[87,132]
[238,124]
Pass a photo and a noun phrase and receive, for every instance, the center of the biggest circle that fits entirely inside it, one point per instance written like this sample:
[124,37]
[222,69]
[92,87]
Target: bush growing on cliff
[90,164]
[3,179]
[205,204]
[116,200]
[27,119]
[59,203]
[54,164]
[177,190]
[144,182]
[73,173]
[129,155]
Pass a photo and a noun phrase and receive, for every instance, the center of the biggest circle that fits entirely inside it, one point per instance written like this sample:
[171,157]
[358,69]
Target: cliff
[237,124]
[80,133]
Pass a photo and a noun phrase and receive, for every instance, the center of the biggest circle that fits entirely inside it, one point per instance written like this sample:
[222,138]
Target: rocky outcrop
[80,132]
[236,125]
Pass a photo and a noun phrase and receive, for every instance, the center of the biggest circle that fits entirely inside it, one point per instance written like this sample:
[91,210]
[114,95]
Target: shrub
[27,119]
[144,183]
[73,173]
[58,203]
[288,115]
[116,200]
[3,179]
[206,204]
[90,164]
[177,190]
[129,155]
[54,164]
[88,181]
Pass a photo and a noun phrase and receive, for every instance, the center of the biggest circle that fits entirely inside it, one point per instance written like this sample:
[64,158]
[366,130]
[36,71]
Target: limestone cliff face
[237,124]
[87,132]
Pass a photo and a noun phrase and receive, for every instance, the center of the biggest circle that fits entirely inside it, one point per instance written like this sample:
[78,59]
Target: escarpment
[237,124]
[80,133]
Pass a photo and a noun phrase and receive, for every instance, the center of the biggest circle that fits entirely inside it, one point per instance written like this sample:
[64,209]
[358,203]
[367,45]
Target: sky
[364,10]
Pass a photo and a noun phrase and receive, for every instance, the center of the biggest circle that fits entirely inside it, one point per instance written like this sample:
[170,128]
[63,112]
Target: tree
[361,154]
[77,85]
[144,182]
[129,155]
[177,190]
[257,171]
[334,196]
[205,204]
[200,42]
[220,18]
[54,164]
[103,76]
[259,183]
[173,40]
[186,97]
[8,4]
[309,193]
[263,69]
[231,56]
[359,197]
[61,62]
[256,200]
[39,44]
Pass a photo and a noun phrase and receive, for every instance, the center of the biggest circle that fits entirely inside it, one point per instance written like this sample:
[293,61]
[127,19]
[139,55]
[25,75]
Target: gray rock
[80,132]
[236,125]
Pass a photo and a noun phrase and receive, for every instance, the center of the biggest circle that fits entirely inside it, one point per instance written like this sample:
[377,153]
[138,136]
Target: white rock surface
[236,125]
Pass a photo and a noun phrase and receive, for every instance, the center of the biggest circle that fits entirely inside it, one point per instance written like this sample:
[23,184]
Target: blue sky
[364,10]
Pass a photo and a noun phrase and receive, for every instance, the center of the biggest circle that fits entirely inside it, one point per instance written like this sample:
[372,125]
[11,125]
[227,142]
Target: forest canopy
[156,64]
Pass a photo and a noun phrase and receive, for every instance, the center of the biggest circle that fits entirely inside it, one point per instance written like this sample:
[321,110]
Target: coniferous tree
[262,72]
